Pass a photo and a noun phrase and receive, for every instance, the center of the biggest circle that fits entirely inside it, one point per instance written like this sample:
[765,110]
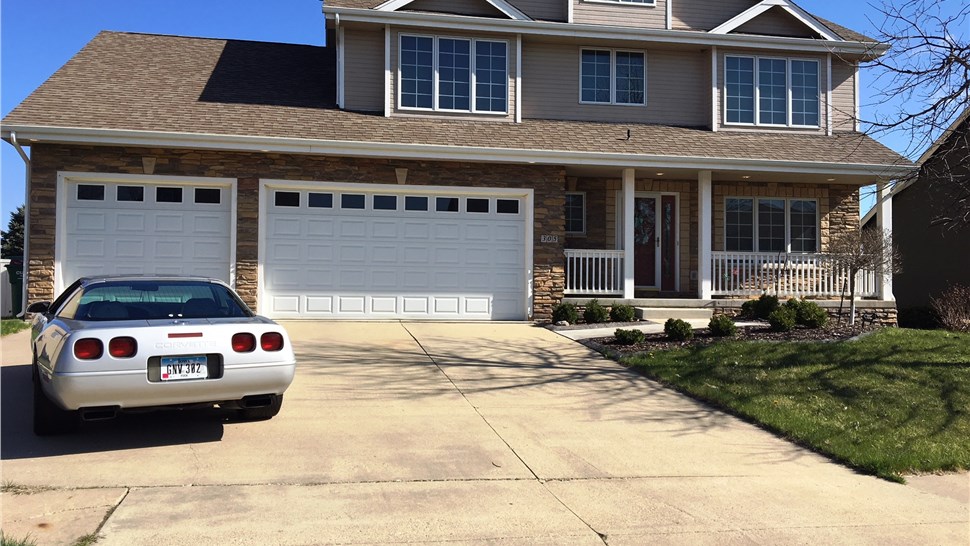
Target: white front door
[140,226]
[401,252]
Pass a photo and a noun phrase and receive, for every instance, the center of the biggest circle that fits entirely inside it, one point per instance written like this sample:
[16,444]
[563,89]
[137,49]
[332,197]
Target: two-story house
[461,159]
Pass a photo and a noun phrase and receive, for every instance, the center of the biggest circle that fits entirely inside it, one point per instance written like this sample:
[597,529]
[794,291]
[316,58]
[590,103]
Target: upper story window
[635,2]
[610,76]
[771,91]
[453,74]
[770,225]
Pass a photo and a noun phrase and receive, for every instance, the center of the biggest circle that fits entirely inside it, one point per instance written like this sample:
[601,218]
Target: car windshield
[134,300]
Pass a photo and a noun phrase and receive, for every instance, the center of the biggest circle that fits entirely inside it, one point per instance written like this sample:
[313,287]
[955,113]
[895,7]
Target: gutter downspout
[23,155]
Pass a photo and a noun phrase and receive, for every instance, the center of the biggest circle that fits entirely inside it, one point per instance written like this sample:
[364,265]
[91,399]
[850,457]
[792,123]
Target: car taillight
[243,343]
[88,349]
[122,347]
[271,341]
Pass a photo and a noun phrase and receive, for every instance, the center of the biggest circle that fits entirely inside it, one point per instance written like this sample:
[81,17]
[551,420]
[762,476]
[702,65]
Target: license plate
[180,368]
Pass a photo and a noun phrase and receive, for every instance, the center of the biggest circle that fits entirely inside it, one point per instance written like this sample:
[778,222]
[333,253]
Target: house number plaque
[548,238]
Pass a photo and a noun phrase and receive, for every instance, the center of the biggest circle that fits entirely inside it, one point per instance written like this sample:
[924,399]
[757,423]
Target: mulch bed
[761,332]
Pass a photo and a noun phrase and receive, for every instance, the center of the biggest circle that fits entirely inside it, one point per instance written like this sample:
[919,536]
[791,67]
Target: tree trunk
[852,299]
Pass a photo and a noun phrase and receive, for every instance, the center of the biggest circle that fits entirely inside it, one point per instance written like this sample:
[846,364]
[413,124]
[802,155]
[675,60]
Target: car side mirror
[39,307]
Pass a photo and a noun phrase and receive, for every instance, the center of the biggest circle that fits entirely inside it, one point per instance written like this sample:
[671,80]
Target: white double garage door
[355,251]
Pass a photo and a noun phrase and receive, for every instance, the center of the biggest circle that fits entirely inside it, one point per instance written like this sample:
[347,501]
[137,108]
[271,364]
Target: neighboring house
[461,159]
[935,254]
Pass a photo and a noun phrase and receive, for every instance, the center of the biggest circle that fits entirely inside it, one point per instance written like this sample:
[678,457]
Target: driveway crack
[485,420]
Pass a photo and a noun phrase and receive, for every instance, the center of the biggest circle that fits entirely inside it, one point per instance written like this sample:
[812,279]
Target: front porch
[705,240]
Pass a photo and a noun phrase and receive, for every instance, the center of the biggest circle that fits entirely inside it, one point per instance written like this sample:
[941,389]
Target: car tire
[263,413]
[49,418]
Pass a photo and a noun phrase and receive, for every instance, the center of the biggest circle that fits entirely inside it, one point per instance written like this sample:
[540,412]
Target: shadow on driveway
[17,439]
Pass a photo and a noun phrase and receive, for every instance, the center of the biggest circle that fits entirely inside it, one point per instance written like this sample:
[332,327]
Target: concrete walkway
[462,433]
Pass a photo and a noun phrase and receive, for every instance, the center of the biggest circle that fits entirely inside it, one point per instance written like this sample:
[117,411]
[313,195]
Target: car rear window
[146,300]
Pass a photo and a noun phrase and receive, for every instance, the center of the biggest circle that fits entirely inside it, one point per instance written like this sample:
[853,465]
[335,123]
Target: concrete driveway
[467,433]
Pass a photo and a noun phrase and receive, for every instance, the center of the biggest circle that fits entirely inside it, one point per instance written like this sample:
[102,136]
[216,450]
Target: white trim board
[508,9]
[798,13]
[156,139]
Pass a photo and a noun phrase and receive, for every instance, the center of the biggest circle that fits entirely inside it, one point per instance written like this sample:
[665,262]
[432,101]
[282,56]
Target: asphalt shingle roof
[175,84]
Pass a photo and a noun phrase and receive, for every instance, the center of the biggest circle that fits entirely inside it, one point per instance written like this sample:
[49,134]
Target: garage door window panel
[320,200]
[477,205]
[446,204]
[416,203]
[353,201]
[208,196]
[507,206]
[385,202]
[90,192]
[130,194]
[286,199]
[168,195]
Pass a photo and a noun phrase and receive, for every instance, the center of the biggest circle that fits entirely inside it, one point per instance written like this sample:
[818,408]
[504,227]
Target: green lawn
[892,402]
[12,326]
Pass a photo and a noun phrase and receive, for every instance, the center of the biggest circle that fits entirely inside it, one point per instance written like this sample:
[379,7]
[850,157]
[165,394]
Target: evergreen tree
[13,238]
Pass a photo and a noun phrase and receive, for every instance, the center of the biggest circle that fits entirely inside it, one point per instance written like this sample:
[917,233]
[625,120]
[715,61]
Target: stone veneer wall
[548,183]
[838,205]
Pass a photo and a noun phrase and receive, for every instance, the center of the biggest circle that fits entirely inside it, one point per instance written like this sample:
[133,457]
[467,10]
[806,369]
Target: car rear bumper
[127,390]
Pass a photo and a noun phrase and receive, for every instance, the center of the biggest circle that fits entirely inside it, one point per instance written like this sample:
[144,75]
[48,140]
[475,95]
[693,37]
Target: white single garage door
[138,228]
[366,251]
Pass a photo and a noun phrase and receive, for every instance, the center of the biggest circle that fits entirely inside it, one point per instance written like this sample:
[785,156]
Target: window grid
[610,76]
[491,76]
[777,225]
[805,93]
[575,213]
[756,97]
[453,74]
[417,72]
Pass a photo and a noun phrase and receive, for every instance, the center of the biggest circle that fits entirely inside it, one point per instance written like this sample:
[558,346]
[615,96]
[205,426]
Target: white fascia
[508,9]
[438,152]
[606,32]
[754,11]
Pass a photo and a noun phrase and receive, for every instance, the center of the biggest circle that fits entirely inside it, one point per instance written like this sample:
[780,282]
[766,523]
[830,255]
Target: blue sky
[38,36]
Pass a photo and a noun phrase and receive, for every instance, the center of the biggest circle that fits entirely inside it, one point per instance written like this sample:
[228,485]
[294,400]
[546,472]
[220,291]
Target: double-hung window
[771,91]
[610,76]
[770,225]
[453,74]
[575,212]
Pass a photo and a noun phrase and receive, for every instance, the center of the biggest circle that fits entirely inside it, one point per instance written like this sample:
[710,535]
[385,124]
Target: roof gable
[487,7]
[748,16]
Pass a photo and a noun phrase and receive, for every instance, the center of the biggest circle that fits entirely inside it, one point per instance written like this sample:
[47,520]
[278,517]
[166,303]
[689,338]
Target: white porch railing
[594,272]
[785,275]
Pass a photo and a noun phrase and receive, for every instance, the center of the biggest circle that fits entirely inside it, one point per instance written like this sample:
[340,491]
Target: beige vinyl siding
[823,85]
[395,47]
[477,8]
[677,88]
[622,15]
[543,10]
[363,70]
[705,14]
[776,22]
[843,95]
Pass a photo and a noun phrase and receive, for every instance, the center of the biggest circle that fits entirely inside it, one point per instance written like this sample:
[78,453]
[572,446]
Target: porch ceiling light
[745,177]
[660,174]
[830,179]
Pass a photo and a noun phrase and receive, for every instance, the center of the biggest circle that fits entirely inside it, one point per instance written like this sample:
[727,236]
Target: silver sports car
[112,344]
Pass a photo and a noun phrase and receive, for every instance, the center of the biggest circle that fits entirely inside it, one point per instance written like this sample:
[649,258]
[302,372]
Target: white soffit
[798,13]
[508,9]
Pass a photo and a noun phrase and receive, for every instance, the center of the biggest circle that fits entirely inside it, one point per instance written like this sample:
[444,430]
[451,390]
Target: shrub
[760,308]
[565,312]
[808,313]
[722,325]
[622,313]
[678,330]
[782,319]
[594,312]
[953,308]
[629,337]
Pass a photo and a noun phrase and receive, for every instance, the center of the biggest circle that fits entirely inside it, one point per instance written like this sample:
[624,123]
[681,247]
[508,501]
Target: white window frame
[631,3]
[435,81]
[583,195]
[613,52]
[754,219]
[757,91]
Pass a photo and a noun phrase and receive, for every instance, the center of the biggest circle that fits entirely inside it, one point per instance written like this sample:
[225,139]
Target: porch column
[884,222]
[629,190]
[705,216]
